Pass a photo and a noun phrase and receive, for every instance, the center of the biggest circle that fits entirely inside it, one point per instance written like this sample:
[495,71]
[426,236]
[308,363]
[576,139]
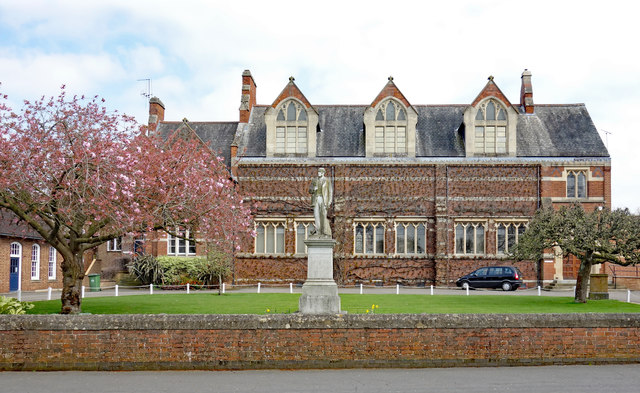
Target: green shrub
[147,270]
[9,305]
[179,270]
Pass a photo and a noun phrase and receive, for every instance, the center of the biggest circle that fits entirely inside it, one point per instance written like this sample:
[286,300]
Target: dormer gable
[291,124]
[390,124]
[490,124]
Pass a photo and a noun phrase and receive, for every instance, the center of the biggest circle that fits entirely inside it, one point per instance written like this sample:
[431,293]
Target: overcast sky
[340,52]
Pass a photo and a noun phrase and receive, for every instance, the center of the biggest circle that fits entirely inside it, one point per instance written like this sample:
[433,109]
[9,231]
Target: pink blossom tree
[81,175]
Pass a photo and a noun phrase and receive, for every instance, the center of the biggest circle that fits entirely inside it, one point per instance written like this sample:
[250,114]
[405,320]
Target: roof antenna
[606,138]
[146,94]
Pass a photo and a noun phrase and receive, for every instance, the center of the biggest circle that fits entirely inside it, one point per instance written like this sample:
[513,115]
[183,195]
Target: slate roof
[552,131]
[217,135]
[10,226]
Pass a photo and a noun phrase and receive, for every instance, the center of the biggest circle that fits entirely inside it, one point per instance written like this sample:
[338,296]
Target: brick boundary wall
[294,341]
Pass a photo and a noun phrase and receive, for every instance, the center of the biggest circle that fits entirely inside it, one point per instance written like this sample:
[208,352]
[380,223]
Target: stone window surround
[575,168]
[370,127]
[274,223]
[416,220]
[470,129]
[507,222]
[465,222]
[270,117]
[375,222]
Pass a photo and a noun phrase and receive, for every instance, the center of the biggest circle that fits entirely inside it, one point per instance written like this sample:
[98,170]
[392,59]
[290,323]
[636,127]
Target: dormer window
[491,128]
[291,129]
[391,129]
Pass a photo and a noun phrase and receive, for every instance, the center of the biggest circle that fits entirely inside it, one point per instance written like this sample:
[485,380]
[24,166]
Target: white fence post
[397,289]
[116,290]
[467,290]
[20,294]
[431,290]
[290,287]
[150,289]
[628,295]
[187,288]
[258,287]
[361,288]
[574,291]
[539,293]
[224,287]
[49,293]
[82,292]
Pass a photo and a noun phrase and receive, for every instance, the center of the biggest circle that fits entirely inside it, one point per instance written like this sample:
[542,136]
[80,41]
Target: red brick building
[27,262]
[422,193]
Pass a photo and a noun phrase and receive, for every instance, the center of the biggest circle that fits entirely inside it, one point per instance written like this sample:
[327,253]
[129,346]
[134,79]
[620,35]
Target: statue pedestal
[320,292]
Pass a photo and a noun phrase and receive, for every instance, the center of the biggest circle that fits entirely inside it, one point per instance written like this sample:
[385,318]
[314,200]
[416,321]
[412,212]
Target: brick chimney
[526,92]
[248,100]
[156,113]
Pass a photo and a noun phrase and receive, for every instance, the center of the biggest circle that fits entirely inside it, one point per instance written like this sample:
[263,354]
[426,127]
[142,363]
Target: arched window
[291,129]
[491,128]
[391,128]
[576,184]
[35,262]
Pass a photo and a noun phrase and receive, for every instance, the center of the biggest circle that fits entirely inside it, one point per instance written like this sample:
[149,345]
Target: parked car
[509,278]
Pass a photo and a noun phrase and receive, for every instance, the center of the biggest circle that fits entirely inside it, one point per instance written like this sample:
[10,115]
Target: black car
[509,278]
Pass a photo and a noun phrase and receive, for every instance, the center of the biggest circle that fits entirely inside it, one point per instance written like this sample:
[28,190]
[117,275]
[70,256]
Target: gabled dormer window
[391,129]
[491,128]
[291,129]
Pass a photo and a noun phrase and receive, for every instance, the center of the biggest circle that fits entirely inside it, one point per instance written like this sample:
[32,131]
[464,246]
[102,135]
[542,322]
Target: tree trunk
[73,273]
[219,284]
[582,283]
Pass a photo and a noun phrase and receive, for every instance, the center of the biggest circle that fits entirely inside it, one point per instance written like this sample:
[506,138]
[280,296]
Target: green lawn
[270,303]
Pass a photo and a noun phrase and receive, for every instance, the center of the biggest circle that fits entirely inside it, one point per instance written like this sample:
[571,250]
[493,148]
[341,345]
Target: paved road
[564,379]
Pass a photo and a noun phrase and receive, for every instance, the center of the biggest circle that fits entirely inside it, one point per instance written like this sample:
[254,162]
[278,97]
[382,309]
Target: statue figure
[321,197]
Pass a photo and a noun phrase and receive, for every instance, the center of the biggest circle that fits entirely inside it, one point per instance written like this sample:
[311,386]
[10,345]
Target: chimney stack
[248,100]
[156,113]
[526,92]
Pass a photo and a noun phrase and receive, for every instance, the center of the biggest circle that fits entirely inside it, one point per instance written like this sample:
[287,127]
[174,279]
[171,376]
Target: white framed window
[181,245]
[491,128]
[35,262]
[303,230]
[114,244]
[269,237]
[391,128]
[52,263]
[507,234]
[470,238]
[291,129]
[411,237]
[368,238]
[576,183]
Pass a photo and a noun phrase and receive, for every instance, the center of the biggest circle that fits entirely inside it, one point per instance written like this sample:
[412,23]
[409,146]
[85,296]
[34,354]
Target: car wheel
[506,286]
[465,285]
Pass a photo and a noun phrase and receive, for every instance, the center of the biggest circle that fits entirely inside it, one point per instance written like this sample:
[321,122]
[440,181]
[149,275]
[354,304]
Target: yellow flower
[367,311]
[268,310]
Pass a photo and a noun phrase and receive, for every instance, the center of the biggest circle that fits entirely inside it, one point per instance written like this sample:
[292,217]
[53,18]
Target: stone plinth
[599,287]
[320,292]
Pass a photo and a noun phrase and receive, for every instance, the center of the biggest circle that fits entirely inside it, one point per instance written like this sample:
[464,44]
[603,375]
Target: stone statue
[321,197]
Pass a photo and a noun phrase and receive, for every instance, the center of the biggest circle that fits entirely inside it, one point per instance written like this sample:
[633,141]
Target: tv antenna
[147,93]
[606,137]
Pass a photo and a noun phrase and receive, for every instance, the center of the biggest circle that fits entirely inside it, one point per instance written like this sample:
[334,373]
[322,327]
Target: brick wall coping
[298,321]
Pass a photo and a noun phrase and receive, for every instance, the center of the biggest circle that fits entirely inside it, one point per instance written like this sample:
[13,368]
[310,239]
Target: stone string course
[150,342]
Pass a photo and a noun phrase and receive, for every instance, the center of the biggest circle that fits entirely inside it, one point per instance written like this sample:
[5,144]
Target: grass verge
[279,303]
